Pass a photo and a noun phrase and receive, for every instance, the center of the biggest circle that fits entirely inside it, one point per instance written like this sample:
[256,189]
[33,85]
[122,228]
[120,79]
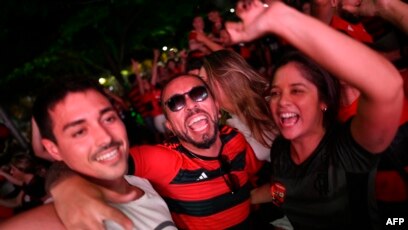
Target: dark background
[46,39]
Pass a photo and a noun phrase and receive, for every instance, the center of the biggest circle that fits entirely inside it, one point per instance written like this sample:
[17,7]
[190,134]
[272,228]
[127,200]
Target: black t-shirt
[332,188]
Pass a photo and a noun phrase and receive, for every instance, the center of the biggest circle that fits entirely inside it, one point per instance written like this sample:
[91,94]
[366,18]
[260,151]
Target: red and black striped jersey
[196,189]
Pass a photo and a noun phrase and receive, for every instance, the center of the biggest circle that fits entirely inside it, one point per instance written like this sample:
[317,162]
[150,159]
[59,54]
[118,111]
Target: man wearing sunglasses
[206,169]
[205,173]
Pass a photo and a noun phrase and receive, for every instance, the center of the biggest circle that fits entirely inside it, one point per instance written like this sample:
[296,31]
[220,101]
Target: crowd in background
[238,74]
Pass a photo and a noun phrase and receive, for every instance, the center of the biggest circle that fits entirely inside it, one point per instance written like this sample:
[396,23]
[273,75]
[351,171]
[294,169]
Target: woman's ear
[323,107]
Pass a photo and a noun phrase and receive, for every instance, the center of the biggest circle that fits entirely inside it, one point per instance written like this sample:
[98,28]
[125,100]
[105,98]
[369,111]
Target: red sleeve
[156,163]
[347,111]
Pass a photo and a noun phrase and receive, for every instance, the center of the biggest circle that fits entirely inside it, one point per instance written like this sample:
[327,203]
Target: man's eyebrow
[72,124]
[80,121]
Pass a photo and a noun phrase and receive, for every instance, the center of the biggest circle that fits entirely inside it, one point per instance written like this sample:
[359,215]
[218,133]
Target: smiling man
[80,127]
[204,173]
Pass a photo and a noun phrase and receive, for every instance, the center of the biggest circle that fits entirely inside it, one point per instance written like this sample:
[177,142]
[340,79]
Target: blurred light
[111,88]
[124,72]
[102,80]
[265,5]
[232,10]
[164,48]
[173,49]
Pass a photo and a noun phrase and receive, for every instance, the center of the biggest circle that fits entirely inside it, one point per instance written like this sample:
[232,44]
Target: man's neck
[212,151]
[119,185]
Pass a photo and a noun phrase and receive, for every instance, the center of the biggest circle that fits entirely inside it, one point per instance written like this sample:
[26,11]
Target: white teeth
[196,119]
[107,156]
[287,115]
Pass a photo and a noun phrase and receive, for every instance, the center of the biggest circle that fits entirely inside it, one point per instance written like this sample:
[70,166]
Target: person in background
[23,175]
[322,170]
[196,48]
[150,95]
[217,25]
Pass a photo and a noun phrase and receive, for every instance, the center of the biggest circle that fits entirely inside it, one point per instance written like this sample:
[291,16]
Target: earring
[324,109]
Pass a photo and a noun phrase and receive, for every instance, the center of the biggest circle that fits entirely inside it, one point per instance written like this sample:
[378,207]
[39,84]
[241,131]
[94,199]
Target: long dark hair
[327,86]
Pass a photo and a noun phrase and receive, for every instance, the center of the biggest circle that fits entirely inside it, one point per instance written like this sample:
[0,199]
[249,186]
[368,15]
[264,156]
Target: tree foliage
[46,39]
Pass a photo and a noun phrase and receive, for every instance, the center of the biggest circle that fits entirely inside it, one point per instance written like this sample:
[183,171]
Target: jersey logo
[278,192]
[202,176]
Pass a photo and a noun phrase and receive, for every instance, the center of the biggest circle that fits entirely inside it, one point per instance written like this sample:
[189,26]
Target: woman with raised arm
[323,170]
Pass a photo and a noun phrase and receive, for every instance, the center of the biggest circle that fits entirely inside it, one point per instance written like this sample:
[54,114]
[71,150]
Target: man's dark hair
[55,92]
[193,62]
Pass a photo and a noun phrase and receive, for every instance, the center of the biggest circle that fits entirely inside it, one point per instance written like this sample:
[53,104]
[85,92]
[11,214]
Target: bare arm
[183,60]
[376,78]
[213,46]
[261,194]
[135,69]
[38,148]
[10,178]
[40,218]
[156,54]
[81,204]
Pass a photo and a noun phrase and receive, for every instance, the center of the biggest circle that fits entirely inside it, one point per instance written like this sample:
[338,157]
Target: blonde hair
[244,88]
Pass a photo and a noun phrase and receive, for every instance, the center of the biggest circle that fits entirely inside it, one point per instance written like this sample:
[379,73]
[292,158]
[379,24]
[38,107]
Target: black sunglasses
[178,101]
[230,179]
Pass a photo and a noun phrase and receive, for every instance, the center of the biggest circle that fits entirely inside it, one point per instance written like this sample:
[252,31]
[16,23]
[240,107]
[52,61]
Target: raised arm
[204,39]
[135,69]
[379,82]
[155,75]
[38,148]
[10,178]
[81,204]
